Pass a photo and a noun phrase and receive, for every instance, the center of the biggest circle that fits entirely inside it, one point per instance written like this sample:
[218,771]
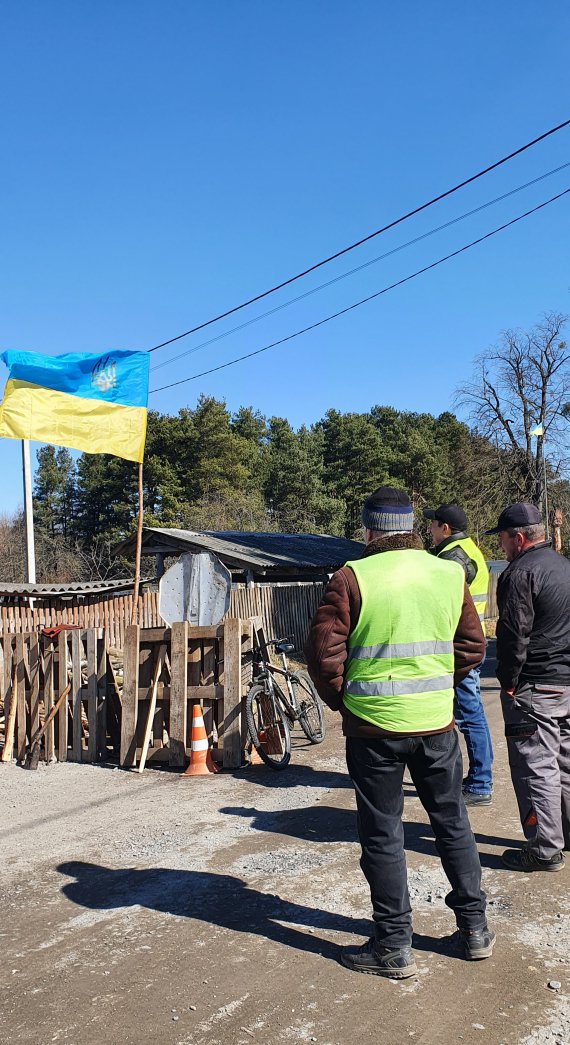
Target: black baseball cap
[519,514]
[451,514]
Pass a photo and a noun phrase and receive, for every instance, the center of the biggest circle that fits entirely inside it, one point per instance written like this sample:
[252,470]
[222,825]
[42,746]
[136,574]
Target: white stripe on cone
[200,745]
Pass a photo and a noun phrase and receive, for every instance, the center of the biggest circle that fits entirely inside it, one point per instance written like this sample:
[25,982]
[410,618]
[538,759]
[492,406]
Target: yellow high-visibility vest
[479,587]
[399,672]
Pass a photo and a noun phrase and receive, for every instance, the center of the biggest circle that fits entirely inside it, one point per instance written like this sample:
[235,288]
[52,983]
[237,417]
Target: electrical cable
[359,268]
[365,239]
[364,301]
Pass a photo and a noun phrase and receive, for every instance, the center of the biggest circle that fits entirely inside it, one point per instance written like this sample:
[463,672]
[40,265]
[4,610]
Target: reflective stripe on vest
[399,671]
[479,586]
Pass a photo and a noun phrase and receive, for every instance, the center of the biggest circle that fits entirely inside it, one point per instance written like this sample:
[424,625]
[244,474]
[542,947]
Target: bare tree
[521,384]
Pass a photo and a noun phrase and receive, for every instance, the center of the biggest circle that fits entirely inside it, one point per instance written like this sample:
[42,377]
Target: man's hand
[509,692]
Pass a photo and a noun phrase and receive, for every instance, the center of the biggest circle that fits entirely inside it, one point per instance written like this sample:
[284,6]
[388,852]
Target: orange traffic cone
[201,761]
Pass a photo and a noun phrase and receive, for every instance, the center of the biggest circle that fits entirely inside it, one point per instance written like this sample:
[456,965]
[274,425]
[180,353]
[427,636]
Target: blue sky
[164,161]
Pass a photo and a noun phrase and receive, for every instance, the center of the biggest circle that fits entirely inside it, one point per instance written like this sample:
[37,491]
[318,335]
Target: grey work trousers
[537,728]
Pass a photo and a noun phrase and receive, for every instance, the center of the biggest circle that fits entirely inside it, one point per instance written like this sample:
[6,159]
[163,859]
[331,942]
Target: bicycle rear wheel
[311,713]
[268,727]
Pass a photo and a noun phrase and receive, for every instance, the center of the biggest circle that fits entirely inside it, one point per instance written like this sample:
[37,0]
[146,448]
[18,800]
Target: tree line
[208,468]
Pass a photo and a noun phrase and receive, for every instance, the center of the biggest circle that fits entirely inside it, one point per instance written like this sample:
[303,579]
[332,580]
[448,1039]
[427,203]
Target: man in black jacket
[533,667]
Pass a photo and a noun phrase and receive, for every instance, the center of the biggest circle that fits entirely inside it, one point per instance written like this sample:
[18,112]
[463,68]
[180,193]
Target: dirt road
[209,912]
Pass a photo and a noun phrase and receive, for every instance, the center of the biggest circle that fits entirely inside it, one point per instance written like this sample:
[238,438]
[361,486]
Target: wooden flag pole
[134,614]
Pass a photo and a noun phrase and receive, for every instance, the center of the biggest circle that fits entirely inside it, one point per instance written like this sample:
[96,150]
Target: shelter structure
[277,577]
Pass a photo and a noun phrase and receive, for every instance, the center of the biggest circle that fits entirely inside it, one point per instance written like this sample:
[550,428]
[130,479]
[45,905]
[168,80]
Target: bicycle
[270,712]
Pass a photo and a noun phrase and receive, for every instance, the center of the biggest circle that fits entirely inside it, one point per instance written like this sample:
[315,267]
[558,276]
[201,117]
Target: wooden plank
[49,657]
[232,693]
[9,723]
[194,675]
[197,694]
[34,683]
[178,699]
[62,717]
[101,697]
[129,699]
[92,695]
[152,708]
[7,690]
[21,716]
[155,634]
[76,655]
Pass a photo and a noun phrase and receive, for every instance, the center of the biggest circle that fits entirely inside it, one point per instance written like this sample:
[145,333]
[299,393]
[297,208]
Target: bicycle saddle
[284,647]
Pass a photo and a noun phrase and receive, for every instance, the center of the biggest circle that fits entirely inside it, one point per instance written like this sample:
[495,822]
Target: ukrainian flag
[93,403]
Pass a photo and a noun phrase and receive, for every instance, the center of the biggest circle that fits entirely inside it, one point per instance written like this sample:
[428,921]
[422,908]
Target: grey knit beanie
[388,509]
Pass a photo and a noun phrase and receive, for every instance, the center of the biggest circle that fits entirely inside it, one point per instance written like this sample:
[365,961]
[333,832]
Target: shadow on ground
[330,824]
[294,776]
[221,900]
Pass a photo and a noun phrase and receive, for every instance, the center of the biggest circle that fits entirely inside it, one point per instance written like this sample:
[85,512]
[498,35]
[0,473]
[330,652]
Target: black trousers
[377,771]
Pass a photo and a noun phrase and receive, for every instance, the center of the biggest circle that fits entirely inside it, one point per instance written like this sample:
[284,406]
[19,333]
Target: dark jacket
[533,632]
[336,617]
[456,554]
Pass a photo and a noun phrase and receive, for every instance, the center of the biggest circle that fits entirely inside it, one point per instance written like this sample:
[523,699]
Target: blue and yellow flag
[97,404]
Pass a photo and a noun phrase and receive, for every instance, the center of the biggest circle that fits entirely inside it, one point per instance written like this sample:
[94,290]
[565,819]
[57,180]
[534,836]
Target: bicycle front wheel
[311,712]
[268,727]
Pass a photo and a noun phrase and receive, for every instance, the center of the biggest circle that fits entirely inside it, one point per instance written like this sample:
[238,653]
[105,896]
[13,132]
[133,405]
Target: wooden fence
[284,609]
[98,722]
[112,613]
[36,671]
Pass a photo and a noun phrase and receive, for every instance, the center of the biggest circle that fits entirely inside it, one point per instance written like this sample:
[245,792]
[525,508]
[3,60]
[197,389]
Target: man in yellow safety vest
[450,541]
[393,632]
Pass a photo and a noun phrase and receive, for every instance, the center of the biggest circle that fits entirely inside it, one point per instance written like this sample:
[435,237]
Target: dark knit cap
[388,509]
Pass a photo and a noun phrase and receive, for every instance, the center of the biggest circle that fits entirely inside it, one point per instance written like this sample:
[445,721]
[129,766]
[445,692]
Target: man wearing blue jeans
[449,534]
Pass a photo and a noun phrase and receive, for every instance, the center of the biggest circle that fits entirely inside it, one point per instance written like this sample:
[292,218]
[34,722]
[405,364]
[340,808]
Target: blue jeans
[470,719]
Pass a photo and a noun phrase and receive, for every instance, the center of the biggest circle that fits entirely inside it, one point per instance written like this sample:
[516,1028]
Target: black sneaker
[477,943]
[472,799]
[395,962]
[526,860]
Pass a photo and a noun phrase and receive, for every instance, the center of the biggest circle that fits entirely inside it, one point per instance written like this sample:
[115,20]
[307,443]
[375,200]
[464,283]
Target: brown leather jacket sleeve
[326,645]
[469,641]
[325,648]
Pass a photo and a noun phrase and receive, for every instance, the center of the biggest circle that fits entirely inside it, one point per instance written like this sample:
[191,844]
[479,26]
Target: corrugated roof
[47,591]
[257,551]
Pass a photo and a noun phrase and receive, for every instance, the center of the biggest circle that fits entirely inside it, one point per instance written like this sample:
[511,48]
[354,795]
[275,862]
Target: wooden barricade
[36,670]
[173,668]
[199,665]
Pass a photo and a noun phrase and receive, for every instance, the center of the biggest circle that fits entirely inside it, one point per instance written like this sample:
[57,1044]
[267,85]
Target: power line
[365,239]
[371,297]
[359,268]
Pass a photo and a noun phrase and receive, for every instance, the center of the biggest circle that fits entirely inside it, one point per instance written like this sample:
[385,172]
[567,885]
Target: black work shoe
[472,799]
[395,962]
[526,860]
[477,943]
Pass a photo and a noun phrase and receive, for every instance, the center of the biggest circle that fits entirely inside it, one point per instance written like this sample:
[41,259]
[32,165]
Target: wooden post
[21,698]
[9,723]
[76,654]
[101,697]
[178,702]
[130,697]
[92,695]
[134,614]
[62,683]
[161,654]
[48,696]
[34,683]
[232,693]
